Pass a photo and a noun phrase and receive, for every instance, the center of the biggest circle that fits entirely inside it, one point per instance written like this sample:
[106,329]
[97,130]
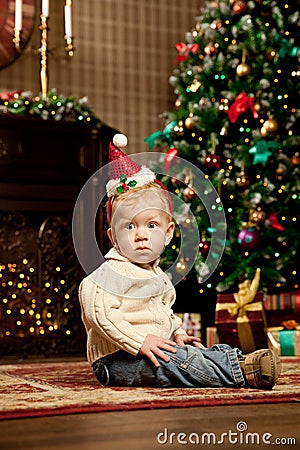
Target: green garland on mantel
[50,107]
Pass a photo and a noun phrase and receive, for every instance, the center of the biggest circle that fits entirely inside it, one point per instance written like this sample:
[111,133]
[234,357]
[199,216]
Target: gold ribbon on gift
[242,305]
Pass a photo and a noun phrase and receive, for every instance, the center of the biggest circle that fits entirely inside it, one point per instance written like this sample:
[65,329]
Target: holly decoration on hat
[123,186]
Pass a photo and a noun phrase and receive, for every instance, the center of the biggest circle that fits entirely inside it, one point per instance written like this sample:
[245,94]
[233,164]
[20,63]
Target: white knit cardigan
[122,302]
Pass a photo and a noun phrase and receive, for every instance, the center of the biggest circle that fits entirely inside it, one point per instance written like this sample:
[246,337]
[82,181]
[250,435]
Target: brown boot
[261,368]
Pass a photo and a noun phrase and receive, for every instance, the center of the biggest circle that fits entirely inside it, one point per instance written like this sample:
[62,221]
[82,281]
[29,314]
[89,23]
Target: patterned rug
[43,389]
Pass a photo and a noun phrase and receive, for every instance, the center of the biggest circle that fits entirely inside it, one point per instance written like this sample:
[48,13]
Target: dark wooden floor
[147,430]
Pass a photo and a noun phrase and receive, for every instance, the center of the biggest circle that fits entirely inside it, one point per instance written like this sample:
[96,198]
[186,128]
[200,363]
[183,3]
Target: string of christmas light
[25,312]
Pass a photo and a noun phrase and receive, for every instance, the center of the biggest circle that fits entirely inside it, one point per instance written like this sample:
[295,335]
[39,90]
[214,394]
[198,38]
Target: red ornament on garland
[213,161]
[204,247]
[6,96]
[295,160]
[239,7]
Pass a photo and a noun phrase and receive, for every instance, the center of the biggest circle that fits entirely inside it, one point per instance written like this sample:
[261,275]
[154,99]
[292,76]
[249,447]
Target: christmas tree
[236,117]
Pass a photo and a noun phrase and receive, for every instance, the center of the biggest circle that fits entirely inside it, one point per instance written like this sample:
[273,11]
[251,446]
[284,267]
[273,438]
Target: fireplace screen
[39,279]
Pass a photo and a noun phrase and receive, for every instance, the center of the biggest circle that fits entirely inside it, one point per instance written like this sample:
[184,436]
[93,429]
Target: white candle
[45,8]
[68,19]
[18,14]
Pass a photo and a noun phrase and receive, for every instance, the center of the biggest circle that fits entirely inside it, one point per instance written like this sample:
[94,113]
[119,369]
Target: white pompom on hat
[124,172]
[120,140]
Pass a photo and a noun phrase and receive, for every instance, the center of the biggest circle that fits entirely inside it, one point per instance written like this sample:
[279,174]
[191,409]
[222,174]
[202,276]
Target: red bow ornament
[275,222]
[6,96]
[240,105]
[183,50]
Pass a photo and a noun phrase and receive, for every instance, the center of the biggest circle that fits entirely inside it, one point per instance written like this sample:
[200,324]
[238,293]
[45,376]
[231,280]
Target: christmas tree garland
[52,107]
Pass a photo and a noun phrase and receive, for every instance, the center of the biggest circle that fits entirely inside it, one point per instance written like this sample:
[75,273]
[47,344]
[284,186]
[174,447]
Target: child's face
[141,229]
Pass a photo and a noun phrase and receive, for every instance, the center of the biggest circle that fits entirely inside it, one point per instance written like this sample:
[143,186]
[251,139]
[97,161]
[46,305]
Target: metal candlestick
[17,39]
[69,48]
[44,54]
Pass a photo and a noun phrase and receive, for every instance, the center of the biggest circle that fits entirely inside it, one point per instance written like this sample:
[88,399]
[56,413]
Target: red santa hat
[125,174]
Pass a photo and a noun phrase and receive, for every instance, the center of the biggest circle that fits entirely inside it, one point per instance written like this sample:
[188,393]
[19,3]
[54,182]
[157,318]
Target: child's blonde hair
[137,192]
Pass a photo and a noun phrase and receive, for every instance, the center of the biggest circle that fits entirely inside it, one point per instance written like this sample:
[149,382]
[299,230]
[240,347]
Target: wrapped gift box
[191,323]
[280,307]
[212,337]
[282,301]
[284,342]
[242,326]
[275,318]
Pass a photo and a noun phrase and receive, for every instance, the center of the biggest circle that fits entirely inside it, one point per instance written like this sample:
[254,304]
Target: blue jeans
[190,366]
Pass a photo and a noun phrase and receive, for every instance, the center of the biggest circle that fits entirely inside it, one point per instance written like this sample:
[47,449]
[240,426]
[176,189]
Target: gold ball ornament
[257,107]
[269,127]
[242,180]
[190,122]
[257,216]
[189,194]
[243,70]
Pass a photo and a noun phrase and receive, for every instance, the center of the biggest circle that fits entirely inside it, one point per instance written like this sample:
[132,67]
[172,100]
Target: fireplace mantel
[43,166]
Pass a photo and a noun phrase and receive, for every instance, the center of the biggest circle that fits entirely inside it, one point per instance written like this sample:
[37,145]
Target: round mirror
[8,51]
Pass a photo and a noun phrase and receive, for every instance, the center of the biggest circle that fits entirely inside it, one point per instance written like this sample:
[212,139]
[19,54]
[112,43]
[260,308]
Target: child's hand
[152,346]
[183,339]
